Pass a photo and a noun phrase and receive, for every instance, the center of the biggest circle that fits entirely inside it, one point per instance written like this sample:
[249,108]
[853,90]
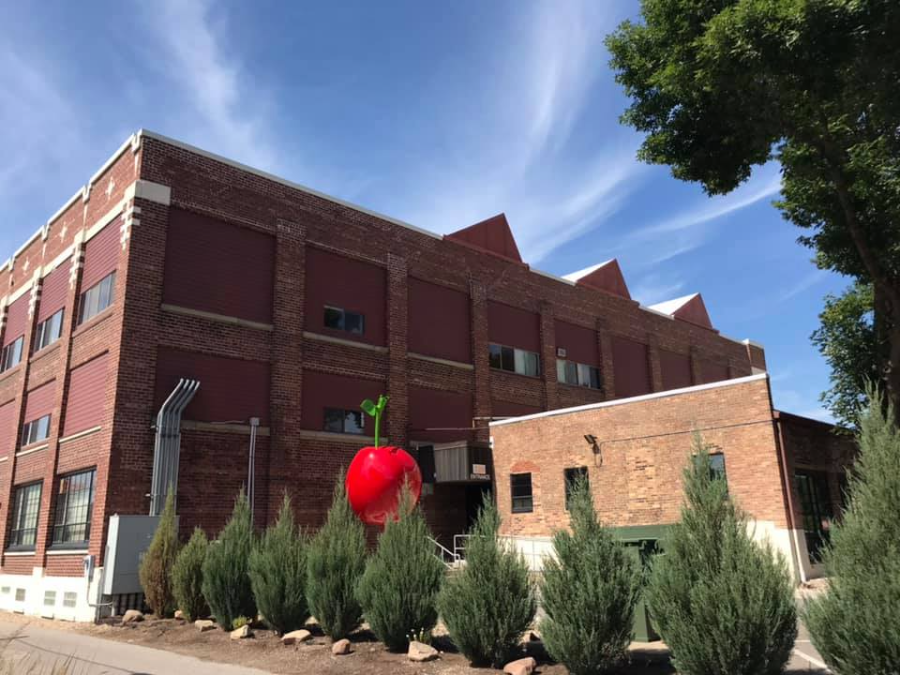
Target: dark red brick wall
[86,396]
[16,318]
[579,342]
[54,291]
[439,416]
[632,368]
[676,369]
[514,327]
[328,390]
[439,321]
[101,255]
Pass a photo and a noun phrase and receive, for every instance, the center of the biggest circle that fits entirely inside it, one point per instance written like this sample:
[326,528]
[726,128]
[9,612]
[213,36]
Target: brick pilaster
[696,373]
[656,381]
[607,371]
[480,357]
[397,320]
[548,356]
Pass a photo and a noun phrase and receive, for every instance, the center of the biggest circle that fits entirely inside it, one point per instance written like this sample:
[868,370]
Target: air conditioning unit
[560,352]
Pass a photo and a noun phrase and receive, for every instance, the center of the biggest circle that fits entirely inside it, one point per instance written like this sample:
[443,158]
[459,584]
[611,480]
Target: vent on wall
[561,352]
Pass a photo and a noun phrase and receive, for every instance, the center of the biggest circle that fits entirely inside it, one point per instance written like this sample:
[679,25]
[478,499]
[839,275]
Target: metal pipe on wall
[167,445]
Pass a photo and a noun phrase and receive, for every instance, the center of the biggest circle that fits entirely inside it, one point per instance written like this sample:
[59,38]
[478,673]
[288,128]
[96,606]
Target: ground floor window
[572,476]
[520,487]
[815,501]
[26,505]
[74,505]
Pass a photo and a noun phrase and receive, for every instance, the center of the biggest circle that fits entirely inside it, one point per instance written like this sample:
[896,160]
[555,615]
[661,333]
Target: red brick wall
[514,327]
[632,367]
[439,321]
[86,396]
[644,446]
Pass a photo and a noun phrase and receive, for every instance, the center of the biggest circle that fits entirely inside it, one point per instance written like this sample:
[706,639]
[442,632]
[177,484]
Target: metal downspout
[168,443]
[251,469]
[175,448]
[159,449]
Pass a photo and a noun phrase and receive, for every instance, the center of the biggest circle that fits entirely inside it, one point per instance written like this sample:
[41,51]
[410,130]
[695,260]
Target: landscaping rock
[524,666]
[179,615]
[241,633]
[204,625]
[420,652]
[295,636]
[132,616]
[341,647]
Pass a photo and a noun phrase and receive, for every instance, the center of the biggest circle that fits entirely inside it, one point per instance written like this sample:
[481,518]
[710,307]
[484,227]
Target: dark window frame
[503,357]
[813,490]
[65,522]
[49,330]
[578,374]
[570,475]
[98,298]
[36,430]
[24,523]
[338,318]
[345,413]
[521,501]
[12,354]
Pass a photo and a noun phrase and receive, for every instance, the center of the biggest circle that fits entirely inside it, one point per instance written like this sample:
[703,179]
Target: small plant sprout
[375,410]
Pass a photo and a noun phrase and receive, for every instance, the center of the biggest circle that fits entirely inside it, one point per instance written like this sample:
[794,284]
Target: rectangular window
[577,374]
[5,590]
[97,298]
[716,466]
[520,487]
[345,320]
[572,477]
[26,504]
[514,360]
[36,431]
[48,331]
[815,501]
[341,421]
[70,599]
[74,505]
[20,595]
[49,598]
[12,354]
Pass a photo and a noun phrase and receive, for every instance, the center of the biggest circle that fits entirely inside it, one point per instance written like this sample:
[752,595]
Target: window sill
[10,371]
[17,553]
[63,550]
[444,362]
[94,320]
[522,511]
[80,434]
[536,378]
[347,342]
[45,351]
[28,449]
[218,318]
[578,387]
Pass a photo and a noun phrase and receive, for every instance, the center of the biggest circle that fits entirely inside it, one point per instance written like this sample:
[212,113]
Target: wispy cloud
[654,288]
[803,285]
[222,109]
[513,138]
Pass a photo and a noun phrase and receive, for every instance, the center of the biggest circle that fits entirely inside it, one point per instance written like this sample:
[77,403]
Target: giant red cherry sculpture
[376,475]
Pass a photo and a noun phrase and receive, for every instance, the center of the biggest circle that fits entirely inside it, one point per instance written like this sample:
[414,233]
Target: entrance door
[474,500]
[815,500]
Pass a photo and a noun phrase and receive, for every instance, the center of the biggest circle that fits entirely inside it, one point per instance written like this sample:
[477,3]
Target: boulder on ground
[295,636]
[420,652]
[524,666]
[241,633]
[132,616]
[341,647]
[204,625]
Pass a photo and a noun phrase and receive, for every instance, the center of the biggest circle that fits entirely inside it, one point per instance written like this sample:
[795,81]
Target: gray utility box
[129,538]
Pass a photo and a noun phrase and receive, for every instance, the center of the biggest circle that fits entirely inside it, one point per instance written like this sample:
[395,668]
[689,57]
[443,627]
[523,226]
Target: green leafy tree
[856,624]
[722,602]
[846,339]
[226,579]
[589,592]
[187,577]
[156,566]
[336,561]
[491,602]
[399,589]
[721,86]
[278,573]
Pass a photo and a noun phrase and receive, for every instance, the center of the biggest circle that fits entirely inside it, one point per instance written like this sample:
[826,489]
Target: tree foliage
[156,566]
[226,581]
[187,577]
[491,602]
[336,561]
[846,339]
[399,589]
[721,86]
[278,573]
[722,602]
[856,624]
[589,592]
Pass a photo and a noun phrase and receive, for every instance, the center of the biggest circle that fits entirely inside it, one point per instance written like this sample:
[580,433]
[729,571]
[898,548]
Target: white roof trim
[580,274]
[657,312]
[562,280]
[672,306]
[283,181]
[634,399]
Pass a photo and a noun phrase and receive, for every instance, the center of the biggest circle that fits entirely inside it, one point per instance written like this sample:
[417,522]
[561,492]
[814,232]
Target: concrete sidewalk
[24,645]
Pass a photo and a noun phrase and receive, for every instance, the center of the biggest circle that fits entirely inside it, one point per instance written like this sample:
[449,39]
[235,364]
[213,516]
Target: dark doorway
[474,500]
[815,500]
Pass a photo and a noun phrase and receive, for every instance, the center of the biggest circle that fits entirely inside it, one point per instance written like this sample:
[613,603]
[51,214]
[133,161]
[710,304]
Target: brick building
[185,320]
[786,472]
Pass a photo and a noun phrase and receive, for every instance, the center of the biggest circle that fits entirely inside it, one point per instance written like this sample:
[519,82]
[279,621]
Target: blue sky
[438,114]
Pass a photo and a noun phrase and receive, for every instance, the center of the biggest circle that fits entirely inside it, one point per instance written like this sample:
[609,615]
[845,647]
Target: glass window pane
[334,420]
[571,372]
[334,318]
[354,323]
[519,357]
[495,356]
[532,364]
[353,422]
[595,378]
[561,370]
[509,359]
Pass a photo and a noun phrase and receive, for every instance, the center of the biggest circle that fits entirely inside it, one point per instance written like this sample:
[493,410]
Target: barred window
[74,505]
[26,505]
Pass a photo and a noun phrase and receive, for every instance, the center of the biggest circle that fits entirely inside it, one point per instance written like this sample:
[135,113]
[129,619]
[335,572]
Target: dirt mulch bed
[265,652]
